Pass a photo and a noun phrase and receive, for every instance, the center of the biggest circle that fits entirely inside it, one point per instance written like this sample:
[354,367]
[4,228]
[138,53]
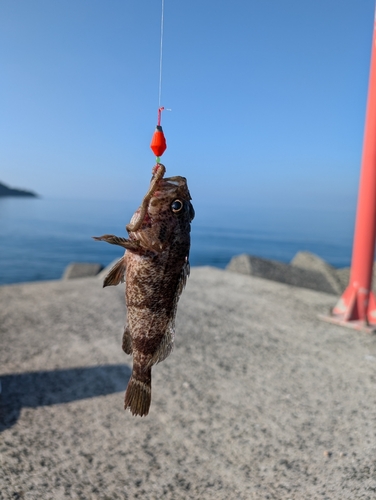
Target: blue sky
[268,98]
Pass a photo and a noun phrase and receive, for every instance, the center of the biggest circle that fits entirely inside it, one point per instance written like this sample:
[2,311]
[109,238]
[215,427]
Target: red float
[158,141]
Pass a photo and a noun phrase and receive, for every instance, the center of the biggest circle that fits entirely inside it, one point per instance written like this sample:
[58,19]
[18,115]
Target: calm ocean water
[40,237]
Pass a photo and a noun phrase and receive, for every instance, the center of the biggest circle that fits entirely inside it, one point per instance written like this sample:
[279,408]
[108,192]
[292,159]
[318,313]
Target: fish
[155,268]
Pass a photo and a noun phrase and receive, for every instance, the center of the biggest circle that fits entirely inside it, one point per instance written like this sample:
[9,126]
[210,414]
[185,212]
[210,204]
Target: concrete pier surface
[259,399]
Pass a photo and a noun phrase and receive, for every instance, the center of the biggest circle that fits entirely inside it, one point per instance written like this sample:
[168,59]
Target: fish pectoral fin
[116,274]
[133,246]
[127,341]
[183,277]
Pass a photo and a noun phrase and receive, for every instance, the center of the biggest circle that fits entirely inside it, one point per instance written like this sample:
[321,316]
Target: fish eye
[176,206]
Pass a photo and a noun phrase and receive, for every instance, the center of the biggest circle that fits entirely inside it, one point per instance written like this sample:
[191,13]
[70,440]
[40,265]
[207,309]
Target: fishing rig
[158,142]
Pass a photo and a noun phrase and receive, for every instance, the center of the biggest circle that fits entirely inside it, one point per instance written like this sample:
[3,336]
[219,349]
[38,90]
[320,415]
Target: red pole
[357,306]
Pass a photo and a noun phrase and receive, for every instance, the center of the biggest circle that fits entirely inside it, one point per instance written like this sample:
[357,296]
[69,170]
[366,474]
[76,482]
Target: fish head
[172,196]
[168,216]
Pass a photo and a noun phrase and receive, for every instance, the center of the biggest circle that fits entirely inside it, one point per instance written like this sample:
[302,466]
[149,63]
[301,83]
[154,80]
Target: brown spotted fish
[155,266]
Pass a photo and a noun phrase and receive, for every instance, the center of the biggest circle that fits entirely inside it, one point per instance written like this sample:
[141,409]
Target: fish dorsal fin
[116,274]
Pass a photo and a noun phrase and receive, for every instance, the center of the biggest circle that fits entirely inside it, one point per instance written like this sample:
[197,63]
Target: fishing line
[161,57]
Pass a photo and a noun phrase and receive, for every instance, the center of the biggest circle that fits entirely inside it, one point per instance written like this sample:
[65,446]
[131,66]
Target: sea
[39,237]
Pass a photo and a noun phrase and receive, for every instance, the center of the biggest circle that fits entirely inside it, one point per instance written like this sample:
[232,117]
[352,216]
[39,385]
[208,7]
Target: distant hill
[7,191]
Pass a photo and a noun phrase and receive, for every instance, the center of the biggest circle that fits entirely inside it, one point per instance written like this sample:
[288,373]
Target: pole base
[356,309]
[361,326]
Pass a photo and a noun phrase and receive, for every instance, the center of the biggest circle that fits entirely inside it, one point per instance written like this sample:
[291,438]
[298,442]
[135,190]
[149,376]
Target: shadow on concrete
[43,388]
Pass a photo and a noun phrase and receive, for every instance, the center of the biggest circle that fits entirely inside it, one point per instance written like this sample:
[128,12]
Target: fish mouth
[173,182]
[172,185]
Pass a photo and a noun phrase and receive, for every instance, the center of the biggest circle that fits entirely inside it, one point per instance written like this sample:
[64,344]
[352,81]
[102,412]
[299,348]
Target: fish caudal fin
[138,393]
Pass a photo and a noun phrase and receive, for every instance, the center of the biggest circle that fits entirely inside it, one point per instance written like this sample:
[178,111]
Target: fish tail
[138,393]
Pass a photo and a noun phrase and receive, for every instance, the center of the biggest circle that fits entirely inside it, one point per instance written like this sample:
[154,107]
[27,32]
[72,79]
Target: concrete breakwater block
[312,262]
[317,277]
[344,276]
[81,270]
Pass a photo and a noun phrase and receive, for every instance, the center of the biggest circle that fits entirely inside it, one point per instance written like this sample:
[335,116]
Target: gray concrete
[81,270]
[259,400]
